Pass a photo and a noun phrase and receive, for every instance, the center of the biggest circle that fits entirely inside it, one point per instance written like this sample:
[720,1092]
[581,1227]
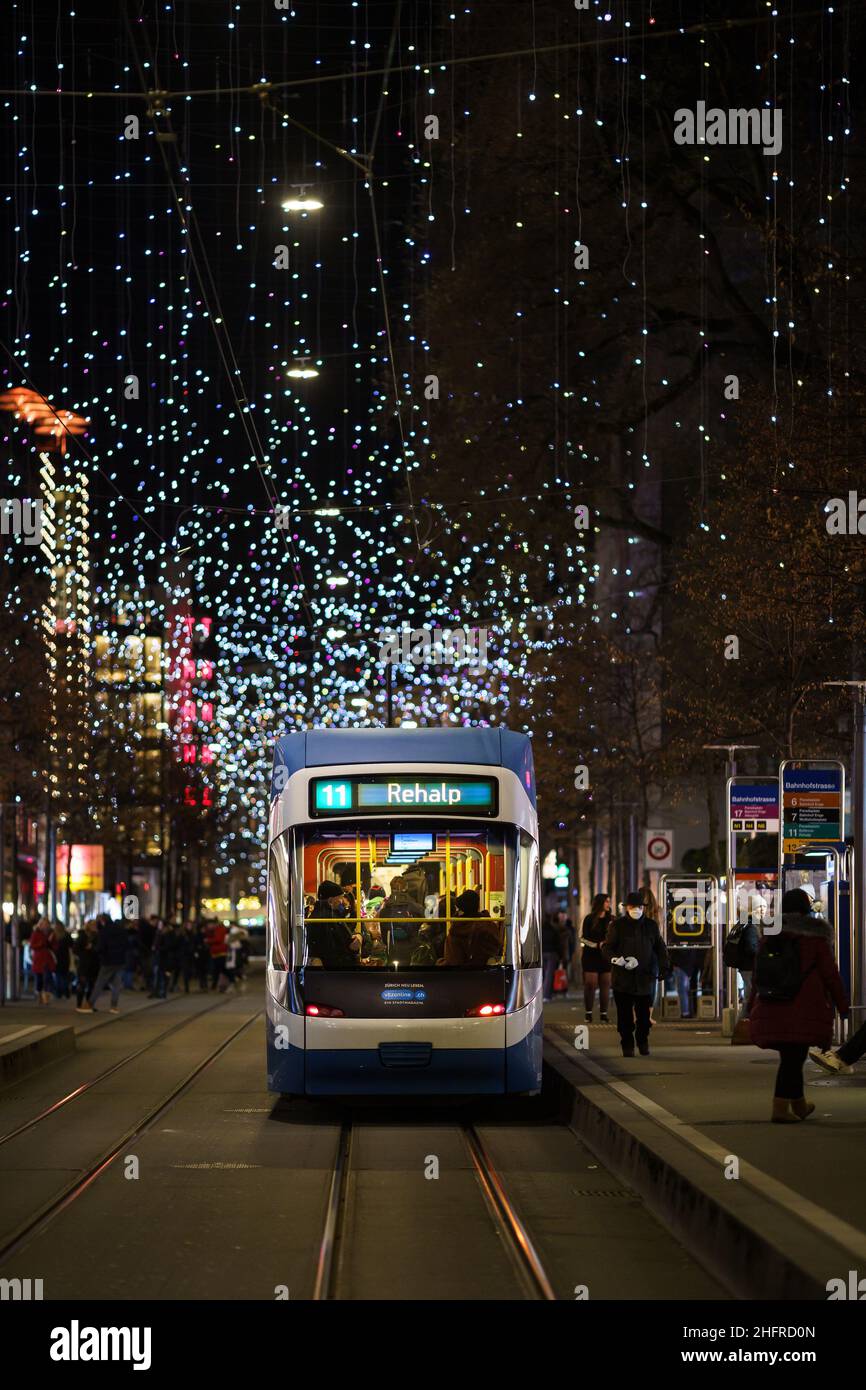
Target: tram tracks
[86,1086]
[518,1244]
[36,1222]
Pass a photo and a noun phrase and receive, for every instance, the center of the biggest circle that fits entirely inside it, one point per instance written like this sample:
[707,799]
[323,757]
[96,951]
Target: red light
[485,1010]
[312,1009]
[323,1011]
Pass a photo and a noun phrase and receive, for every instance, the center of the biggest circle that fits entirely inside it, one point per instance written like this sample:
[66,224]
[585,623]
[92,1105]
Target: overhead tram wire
[223,340]
[722,26]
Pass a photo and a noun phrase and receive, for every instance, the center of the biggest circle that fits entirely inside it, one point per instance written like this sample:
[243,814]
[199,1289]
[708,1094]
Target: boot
[802,1108]
[782,1113]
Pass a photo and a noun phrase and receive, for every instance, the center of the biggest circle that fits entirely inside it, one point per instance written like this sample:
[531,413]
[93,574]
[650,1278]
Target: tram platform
[773,1210]
[32,1035]
[24,1047]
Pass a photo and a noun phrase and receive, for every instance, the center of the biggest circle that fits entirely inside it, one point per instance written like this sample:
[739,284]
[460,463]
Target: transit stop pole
[858,815]
[729,976]
[2,896]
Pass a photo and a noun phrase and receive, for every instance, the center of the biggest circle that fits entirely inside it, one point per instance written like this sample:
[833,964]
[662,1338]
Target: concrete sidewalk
[697,1102]
[61,1012]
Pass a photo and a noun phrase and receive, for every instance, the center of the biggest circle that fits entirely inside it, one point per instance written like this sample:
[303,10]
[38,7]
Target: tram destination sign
[754,807]
[812,801]
[404,793]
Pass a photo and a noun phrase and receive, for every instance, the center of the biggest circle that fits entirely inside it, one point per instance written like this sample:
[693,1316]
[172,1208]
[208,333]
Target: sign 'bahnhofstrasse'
[811,805]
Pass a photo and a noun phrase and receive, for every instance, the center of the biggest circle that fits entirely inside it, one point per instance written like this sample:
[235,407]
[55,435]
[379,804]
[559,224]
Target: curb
[750,1243]
[21,1055]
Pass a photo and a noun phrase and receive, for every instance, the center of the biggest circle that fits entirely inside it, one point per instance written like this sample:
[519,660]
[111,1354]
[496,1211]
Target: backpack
[778,976]
[735,955]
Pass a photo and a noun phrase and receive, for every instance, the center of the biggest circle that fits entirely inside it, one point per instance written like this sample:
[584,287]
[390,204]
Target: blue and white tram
[404,897]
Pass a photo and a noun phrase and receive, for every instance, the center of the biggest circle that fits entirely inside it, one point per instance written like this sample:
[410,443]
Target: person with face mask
[330,938]
[635,949]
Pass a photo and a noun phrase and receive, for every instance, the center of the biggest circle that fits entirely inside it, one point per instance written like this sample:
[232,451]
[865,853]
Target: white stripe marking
[10,1037]
[823,1221]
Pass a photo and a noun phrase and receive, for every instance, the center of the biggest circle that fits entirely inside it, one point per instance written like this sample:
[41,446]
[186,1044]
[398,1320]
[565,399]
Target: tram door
[823,875]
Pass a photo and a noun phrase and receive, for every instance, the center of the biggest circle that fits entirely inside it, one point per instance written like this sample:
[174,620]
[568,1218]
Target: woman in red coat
[792,1025]
[42,960]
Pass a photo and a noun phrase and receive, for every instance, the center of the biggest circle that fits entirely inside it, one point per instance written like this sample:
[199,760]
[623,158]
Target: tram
[403,922]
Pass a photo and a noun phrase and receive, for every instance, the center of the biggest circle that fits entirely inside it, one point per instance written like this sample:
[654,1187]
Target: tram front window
[419,897]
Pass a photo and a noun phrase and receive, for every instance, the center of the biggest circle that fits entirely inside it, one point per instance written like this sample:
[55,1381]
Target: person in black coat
[635,949]
[86,965]
[334,946]
[201,957]
[61,945]
[167,953]
[111,948]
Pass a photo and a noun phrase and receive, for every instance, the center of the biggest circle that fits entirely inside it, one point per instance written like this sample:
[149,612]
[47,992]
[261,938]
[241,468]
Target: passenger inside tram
[439,905]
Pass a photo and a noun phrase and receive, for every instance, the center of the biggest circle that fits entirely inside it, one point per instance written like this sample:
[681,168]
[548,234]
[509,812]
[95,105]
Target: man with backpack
[740,950]
[794,989]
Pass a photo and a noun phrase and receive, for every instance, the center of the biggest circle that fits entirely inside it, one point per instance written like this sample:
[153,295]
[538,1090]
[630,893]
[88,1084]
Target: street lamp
[303,371]
[730,749]
[301,202]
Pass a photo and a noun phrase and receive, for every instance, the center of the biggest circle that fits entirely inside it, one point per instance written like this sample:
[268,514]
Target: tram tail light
[485,1010]
[323,1011]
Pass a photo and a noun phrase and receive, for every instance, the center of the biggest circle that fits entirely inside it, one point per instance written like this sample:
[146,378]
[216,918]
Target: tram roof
[342,747]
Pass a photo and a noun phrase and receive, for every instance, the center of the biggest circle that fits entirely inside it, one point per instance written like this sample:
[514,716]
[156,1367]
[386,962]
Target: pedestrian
[86,964]
[216,936]
[687,962]
[61,945]
[173,956]
[186,953]
[42,959]
[201,956]
[133,955]
[794,989]
[637,953]
[840,1062]
[111,946]
[551,955]
[740,950]
[234,956]
[594,964]
[163,958]
[148,928]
